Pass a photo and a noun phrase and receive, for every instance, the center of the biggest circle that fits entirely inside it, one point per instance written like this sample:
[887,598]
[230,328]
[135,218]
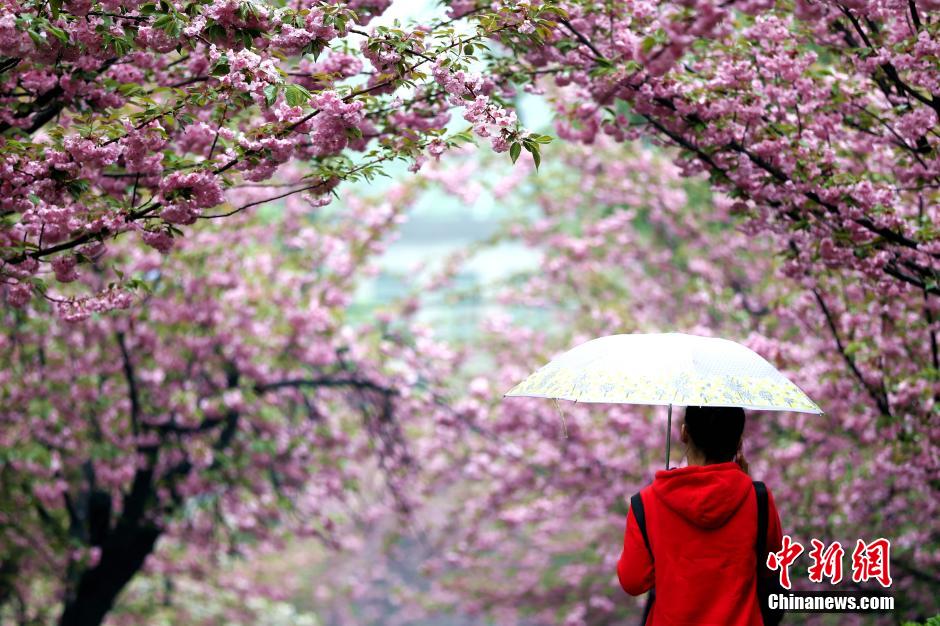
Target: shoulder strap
[636,503]
[761,546]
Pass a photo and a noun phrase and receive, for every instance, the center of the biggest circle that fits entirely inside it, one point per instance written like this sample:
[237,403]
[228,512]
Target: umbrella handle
[668,434]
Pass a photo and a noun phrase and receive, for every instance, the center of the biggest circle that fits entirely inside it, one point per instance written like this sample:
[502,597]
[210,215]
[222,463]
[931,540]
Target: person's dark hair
[715,430]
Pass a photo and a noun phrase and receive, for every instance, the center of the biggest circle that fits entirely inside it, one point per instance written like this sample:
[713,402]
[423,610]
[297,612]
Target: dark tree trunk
[122,555]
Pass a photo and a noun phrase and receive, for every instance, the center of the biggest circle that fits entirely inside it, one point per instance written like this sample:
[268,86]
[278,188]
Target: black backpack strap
[761,546]
[766,585]
[636,503]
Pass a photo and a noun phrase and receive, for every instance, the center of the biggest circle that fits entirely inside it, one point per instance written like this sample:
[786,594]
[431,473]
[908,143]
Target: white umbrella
[666,369]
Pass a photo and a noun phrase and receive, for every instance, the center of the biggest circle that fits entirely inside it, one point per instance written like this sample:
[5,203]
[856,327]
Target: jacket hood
[705,495]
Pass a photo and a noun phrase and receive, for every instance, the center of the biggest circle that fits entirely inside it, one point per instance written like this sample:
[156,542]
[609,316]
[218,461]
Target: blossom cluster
[133,119]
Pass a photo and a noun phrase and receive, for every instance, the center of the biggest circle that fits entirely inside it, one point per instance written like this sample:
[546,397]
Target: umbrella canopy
[666,369]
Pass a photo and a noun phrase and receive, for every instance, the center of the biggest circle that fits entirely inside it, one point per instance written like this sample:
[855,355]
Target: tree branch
[598,57]
[324,382]
[128,369]
[880,399]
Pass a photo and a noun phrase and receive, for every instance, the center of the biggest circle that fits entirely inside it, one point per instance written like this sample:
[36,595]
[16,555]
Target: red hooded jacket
[701,521]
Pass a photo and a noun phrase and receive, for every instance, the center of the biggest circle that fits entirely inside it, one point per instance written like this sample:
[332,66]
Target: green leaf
[163,22]
[533,147]
[270,94]
[296,95]
[560,12]
[221,67]
[58,33]
[514,151]
[215,31]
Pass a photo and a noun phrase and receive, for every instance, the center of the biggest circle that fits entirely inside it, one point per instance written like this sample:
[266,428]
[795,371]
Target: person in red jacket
[701,521]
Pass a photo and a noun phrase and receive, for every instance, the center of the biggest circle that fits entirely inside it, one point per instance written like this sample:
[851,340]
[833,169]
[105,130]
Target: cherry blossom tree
[176,366]
[134,118]
[818,123]
[233,408]
[225,405]
[819,118]
[630,244]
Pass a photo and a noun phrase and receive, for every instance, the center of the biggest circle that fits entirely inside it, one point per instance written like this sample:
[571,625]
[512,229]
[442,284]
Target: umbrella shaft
[668,434]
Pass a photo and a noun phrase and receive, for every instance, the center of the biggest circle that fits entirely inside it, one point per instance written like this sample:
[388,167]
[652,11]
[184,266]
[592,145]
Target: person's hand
[742,462]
